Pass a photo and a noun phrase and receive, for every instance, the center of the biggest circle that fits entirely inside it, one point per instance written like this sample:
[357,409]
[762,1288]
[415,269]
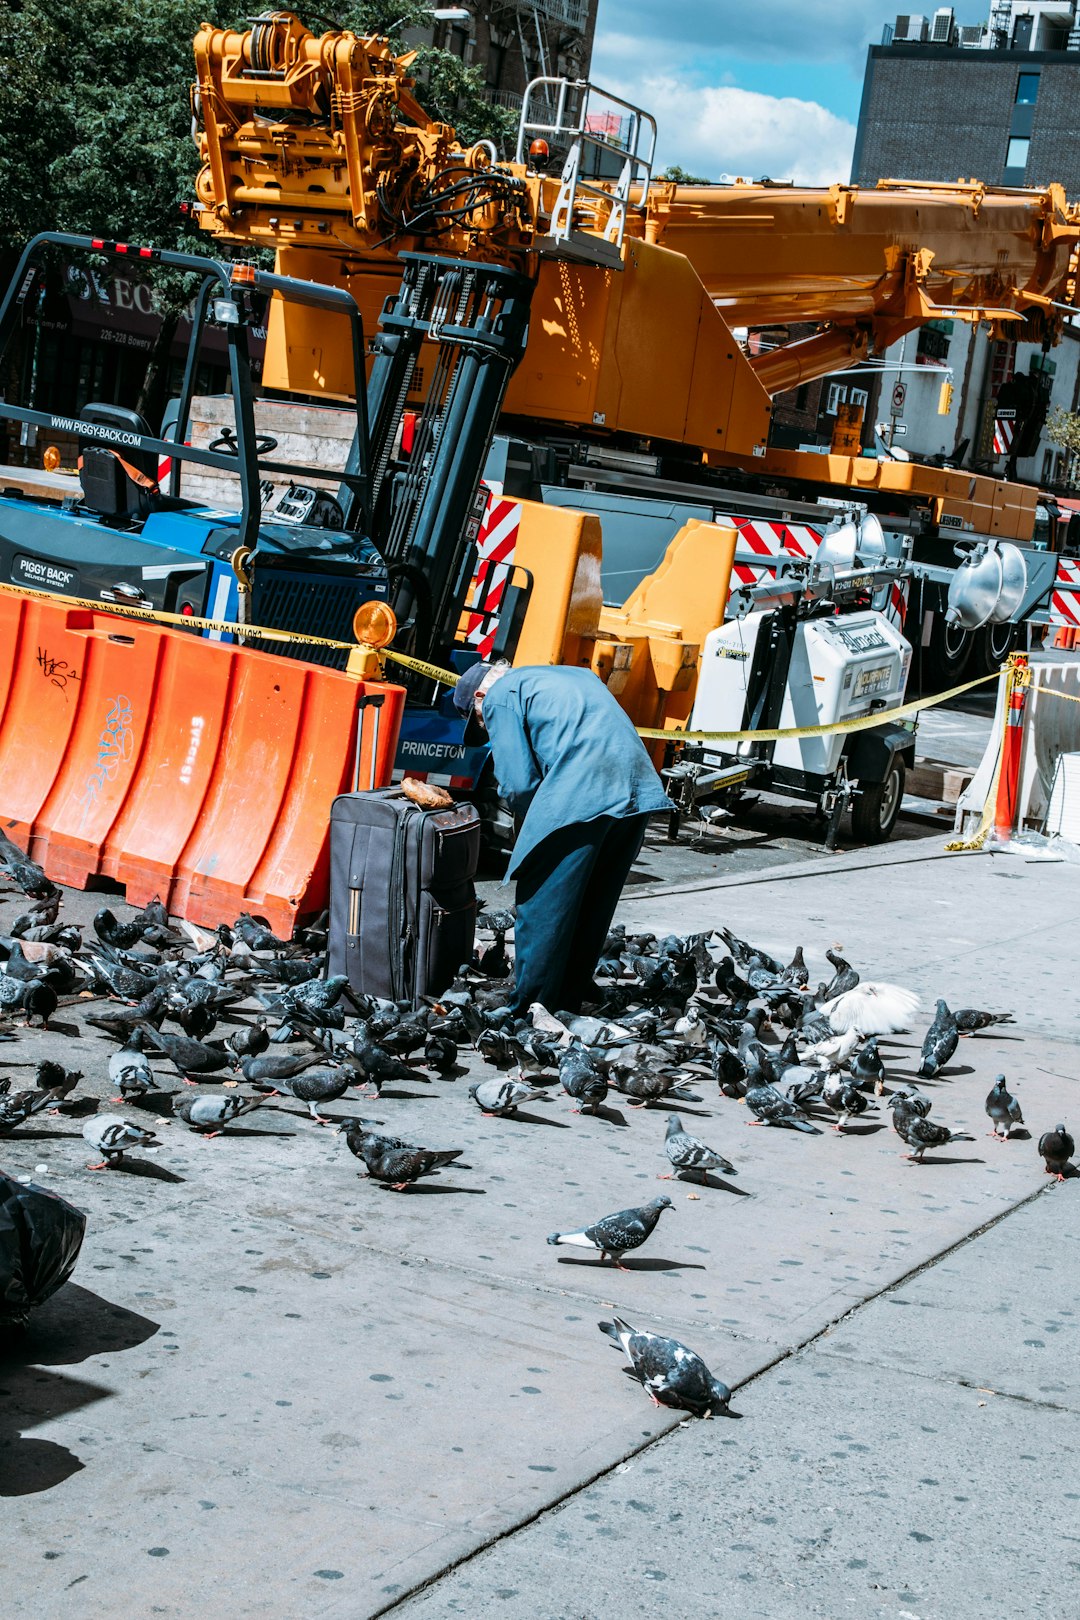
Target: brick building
[994,102]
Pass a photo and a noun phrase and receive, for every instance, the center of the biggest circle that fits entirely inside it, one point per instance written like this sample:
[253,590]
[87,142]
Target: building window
[802,396]
[836,397]
[1017,155]
[858,396]
[1027,89]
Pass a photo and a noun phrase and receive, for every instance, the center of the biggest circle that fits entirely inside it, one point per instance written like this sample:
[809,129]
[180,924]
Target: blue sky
[748,87]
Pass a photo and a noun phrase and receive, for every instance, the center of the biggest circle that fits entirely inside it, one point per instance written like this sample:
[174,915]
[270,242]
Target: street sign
[899,395]
[899,427]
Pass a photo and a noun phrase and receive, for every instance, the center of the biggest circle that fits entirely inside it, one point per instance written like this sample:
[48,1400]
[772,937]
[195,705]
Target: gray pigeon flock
[181,1010]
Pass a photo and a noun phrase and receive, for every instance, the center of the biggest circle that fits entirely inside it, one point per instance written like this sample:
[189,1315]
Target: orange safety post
[1012,746]
[200,772]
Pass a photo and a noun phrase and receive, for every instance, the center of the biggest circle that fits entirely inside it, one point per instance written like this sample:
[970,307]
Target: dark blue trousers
[567,891]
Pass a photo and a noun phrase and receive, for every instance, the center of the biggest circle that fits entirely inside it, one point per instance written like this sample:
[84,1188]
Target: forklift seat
[119,487]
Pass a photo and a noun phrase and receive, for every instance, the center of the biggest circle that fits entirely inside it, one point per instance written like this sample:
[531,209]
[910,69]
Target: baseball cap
[466,688]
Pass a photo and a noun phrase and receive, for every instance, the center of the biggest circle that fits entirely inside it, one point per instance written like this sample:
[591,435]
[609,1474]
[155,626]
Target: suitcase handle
[367,700]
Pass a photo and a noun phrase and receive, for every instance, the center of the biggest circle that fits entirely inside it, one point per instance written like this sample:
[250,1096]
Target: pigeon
[256,934]
[186,1055]
[113,1136]
[23,872]
[871,1009]
[844,977]
[770,1107]
[130,1071]
[1003,1109]
[582,1079]
[921,1133]
[441,1054]
[392,1161]
[17,1109]
[1057,1148]
[314,1086]
[646,1085]
[671,1374]
[843,1097]
[375,1065]
[615,1235]
[275,1066]
[39,1000]
[867,1067]
[500,1098]
[685,1152]
[58,1081]
[250,1041]
[208,1112]
[939,1042]
[113,932]
[970,1019]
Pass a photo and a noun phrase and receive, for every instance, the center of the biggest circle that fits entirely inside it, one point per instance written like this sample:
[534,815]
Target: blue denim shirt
[565,752]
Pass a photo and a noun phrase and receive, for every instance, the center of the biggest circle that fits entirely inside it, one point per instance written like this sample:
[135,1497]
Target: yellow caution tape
[864,723]
[1052,691]
[190,621]
[127,610]
[446,677]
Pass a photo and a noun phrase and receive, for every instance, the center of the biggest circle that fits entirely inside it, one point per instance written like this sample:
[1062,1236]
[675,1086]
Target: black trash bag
[40,1239]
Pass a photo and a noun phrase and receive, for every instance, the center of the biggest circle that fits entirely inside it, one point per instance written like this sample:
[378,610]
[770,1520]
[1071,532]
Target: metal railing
[590,123]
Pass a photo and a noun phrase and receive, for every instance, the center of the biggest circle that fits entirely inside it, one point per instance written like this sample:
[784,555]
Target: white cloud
[725,130]
[773,30]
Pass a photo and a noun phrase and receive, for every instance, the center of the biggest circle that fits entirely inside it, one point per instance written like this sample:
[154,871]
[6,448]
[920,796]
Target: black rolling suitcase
[402,900]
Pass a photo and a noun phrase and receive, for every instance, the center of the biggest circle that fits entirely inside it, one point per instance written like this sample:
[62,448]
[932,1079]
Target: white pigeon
[548,1024]
[834,1049]
[871,1009]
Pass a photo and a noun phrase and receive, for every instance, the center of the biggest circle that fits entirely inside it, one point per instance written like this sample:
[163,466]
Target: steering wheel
[226,443]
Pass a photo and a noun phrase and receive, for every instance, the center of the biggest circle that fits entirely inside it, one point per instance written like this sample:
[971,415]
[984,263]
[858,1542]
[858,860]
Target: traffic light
[944,404]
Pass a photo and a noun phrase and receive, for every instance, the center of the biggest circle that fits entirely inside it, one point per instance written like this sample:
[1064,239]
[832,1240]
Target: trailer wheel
[877,806]
[948,653]
[993,644]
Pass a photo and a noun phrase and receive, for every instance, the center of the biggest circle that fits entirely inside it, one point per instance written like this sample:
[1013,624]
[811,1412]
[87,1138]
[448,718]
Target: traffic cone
[1012,746]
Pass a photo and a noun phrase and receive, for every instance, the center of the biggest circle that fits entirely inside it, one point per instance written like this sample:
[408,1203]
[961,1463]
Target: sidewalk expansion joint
[782,1356]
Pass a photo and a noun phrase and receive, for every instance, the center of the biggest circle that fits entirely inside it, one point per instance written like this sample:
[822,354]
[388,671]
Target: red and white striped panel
[765,539]
[1003,435]
[496,543]
[1065,597]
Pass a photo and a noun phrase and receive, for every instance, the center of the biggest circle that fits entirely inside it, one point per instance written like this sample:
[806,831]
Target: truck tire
[993,644]
[947,656]
[877,805]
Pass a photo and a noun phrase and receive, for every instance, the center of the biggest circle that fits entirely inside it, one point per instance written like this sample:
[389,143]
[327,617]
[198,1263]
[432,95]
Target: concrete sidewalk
[277,1390]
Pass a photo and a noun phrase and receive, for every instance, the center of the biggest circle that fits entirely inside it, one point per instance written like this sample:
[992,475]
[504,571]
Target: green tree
[1063,429]
[682,177]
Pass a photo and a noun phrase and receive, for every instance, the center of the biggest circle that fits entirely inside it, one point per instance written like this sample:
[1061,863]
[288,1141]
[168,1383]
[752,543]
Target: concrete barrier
[179,767]
[1051,728]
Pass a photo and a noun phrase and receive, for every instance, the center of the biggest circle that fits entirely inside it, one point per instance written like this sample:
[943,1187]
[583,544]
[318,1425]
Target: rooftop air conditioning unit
[972,38]
[944,26]
[909,29]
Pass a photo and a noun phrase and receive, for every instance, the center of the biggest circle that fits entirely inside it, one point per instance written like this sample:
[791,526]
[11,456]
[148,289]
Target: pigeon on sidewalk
[208,1112]
[501,1098]
[770,1107]
[186,1055]
[390,1160]
[686,1153]
[1057,1148]
[969,1020]
[843,1096]
[1003,1109]
[670,1374]
[312,1086]
[582,1079]
[867,1067]
[939,1042]
[920,1133]
[113,1136]
[615,1235]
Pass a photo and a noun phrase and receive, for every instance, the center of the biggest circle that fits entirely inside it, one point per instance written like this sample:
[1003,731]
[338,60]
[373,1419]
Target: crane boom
[317,146]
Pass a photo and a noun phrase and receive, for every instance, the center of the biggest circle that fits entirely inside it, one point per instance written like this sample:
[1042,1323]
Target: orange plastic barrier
[180,767]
